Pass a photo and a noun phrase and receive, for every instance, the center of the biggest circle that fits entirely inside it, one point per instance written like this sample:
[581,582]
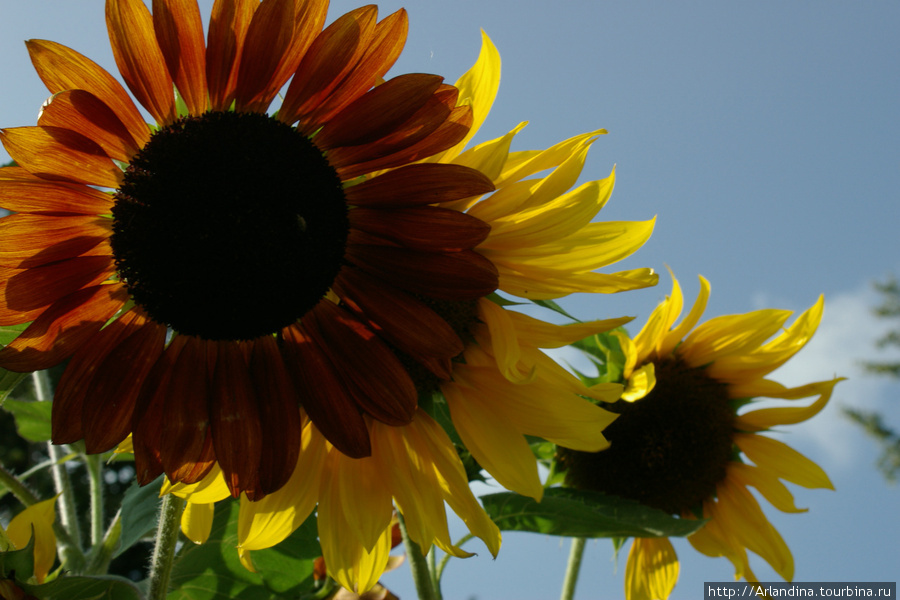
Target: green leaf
[18,563]
[8,382]
[140,513]
[576,513]
[32,418]
[106,587]
[10,332]
[212,571]
[556,308]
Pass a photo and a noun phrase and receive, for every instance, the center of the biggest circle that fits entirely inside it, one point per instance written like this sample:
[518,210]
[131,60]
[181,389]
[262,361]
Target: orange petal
[32,194]
[464,275]
[379,54]
[268,40]
[406,322]
[279,415]
[373,374]
[328,60]
[309,19]
[35,240]
[63,328]
[186,410]
[179,31]
[380,112]
[422,183]
[25,293]
[234,417]
[323,395]
[228,26]
[83,112]
[139,58]
[113,392]
[61,154]
[428,228]
[62,68]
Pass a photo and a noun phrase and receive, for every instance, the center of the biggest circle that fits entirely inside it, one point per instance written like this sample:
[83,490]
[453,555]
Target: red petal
[279,415]
[139,58]
[62,155]
[463,275]
[62,68]
[83,112]
[63,328]
[431,130]
[406,322]
[372,373]
[34,240]
[179,31]
[268,41]
[228,26]
[113,391]
[380,112]
[322,394]
[68,402]
[422,183]
[380,53]
[427,228]
[186,410]
[25,293]
[235,422]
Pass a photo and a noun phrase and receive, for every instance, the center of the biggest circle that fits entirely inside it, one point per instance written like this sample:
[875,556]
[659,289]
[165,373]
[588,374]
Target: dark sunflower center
[667,450]
[229,226]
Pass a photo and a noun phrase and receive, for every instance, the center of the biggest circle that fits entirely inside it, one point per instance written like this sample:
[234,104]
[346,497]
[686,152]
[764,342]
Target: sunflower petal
[179,31]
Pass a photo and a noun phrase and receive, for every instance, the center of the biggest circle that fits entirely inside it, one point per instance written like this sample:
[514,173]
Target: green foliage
[575,513]
[873,423]
[32,419]
[605,352]
[140,510]
[212,571]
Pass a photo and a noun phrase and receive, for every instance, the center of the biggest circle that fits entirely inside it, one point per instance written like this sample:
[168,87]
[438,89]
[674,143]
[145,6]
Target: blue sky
[762,135]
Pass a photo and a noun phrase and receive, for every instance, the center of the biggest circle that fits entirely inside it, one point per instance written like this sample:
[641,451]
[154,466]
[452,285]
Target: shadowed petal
[418,184]
[179,31]
[228,26]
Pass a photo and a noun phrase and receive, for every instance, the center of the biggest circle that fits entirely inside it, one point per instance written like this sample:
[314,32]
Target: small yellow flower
[682,443]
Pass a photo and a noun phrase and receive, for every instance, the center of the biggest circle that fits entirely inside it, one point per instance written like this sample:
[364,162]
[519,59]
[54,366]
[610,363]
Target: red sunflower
[221,275]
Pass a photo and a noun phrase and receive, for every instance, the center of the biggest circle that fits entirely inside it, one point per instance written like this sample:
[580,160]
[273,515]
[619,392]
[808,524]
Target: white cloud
[845,337]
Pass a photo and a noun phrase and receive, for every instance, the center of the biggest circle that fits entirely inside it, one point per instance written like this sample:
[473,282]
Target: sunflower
[682,444]
[501,387]
[210,274]
[35,523]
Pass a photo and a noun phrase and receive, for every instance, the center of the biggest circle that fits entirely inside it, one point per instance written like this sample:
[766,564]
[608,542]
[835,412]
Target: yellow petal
[503,452]
[196,521]
[489,157]
[477,88]
[541,334]
[40,517]
[668,342]
[782,461]
[264,523]
[766,418]
[767,484]
[640,383]
[652,569]
[741,515]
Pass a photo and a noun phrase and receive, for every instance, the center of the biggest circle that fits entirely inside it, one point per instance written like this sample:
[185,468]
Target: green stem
[95,477]
[418,564]
[572,569]
[432,570]
[102,553]
[164,553]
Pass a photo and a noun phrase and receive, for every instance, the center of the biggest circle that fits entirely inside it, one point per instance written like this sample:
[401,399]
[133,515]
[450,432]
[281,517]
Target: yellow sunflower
[35,522]
[212,273]
[682,443]
[502,389]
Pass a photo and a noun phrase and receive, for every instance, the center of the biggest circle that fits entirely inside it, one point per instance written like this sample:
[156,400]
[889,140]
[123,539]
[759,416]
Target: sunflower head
[685,442]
